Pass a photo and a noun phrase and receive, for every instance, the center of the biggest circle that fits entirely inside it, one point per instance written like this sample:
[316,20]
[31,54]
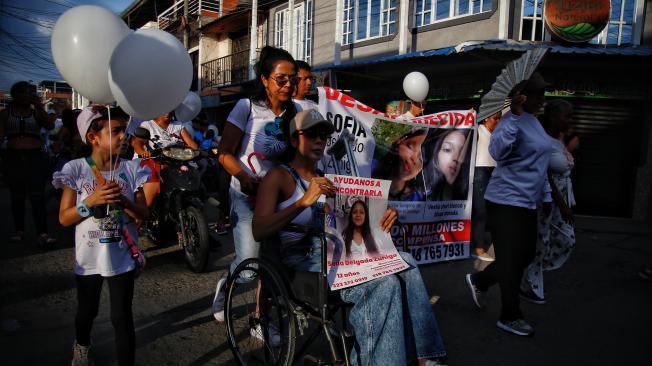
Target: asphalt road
[598,313]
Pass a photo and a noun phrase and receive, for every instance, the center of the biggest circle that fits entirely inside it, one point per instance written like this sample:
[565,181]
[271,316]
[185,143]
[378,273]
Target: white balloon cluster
[148,72]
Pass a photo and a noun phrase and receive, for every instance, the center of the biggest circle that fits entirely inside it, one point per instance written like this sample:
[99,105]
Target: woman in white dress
[556,233]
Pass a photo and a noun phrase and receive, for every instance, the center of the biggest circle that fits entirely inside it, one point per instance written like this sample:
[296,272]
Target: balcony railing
[172,15]
[227,70]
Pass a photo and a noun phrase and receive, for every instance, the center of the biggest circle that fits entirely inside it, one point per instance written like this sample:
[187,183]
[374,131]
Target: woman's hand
[109,193]
[388,219]
[248,184]
[567,214]
[318,186]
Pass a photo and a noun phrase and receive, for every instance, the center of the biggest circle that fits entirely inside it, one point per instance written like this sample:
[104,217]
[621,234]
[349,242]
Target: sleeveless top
[309,217]
[22,126]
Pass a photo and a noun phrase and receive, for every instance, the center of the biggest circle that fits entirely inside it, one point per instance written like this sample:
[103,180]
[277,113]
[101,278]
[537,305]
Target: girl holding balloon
[105,237]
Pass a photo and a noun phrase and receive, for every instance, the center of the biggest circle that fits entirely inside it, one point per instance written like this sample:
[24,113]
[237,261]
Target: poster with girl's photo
[427,160]
[358,249]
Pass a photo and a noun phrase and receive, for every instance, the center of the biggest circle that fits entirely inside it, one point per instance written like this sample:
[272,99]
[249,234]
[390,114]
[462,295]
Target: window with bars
[532,25]
[621,24]
[432,11]
[368,19]
[295,38]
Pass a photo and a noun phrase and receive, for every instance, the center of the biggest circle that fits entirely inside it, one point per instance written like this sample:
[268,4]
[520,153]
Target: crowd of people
[522,201]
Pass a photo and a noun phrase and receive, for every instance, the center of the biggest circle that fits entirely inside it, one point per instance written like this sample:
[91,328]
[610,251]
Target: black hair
[550,111]
[367,237]
[18,86]
[461,185]
[302,65]
[390,166]
[269,56]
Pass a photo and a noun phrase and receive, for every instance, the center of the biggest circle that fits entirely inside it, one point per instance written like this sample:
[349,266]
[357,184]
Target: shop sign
[576,20]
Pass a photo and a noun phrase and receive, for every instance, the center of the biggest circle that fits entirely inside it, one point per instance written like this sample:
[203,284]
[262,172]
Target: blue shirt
[204,144]
[522,151]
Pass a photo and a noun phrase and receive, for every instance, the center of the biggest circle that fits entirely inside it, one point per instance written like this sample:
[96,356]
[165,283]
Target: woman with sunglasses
[25,162]
[254,128]
[391,316]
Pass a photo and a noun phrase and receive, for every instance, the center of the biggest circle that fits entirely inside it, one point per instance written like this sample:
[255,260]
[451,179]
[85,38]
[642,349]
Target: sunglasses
[314,133]
[282,80]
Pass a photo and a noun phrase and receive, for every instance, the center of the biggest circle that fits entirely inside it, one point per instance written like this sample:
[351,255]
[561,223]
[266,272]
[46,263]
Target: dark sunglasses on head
[282,80]
[313,133]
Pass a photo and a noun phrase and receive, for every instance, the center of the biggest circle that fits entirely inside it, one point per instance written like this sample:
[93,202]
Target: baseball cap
[308,119]
[93,112]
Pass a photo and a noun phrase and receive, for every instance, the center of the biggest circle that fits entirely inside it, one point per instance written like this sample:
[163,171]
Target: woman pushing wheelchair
[406,328]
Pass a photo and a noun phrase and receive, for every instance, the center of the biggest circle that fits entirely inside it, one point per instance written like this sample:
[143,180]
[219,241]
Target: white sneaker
[274,336]
[218,300]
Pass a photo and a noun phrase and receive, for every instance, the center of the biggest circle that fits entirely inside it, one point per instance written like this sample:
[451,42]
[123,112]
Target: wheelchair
[269,308]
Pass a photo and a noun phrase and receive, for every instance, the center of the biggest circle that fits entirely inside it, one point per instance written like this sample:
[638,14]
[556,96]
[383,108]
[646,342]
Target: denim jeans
[404,330]
[242,214]
[479,237]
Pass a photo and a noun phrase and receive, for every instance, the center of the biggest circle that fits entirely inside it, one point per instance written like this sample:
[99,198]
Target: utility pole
[186,26]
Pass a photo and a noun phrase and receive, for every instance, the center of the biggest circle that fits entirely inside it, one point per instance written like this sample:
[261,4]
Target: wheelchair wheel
[260,321]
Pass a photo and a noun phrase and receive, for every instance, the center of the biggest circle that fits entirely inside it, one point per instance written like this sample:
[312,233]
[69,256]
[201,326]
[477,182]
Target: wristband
[83,210]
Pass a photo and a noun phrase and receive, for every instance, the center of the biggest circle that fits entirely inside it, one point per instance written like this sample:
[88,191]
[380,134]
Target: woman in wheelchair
[406,328]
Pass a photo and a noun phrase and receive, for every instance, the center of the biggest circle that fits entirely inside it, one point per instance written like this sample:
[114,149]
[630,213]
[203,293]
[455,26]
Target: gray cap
[308,119]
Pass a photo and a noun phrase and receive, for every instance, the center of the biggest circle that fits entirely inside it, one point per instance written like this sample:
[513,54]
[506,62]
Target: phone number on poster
[440,252]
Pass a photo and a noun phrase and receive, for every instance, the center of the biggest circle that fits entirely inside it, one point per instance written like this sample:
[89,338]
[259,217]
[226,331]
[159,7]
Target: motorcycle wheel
[198,241]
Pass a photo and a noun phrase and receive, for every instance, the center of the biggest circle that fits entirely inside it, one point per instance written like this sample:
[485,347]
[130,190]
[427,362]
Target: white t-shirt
[261,134]
[96,251]
[358,250]
[306,104]
[167,137]
[482,157]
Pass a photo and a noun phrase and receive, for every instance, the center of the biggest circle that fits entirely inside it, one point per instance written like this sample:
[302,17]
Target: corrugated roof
[503,45]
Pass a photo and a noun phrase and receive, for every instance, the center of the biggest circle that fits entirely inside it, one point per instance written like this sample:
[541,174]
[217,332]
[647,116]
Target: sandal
[45,241]
[646,273]
[17,238]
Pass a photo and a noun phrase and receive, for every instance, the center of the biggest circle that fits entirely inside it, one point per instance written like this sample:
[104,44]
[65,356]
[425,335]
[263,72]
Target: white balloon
[150,73]
[416,86]
[83,40]
[189,108]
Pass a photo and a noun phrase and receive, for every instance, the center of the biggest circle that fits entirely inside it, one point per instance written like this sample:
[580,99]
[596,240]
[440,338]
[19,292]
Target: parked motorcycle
[180,204]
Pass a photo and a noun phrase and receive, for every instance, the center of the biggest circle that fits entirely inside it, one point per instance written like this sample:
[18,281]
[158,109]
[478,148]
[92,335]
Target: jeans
[479,237]
[514,230]
[242,214]
[121,290]
[404,330]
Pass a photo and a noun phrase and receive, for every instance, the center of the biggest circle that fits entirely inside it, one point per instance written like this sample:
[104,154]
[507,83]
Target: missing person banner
[427,161]
[358,249]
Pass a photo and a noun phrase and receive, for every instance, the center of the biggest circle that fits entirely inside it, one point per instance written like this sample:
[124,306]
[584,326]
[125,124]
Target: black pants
[121,291]
[514,231]
[479,237]
[26,172]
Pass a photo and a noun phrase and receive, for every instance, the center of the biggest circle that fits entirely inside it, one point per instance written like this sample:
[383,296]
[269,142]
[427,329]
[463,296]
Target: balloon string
[108,108]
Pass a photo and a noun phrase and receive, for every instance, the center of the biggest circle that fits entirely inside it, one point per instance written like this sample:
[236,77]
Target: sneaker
[81,355]
[646,273]
[435,362]
[45,242]
[483,256]
[530,296]
[220,229]
[477,295]
[274,336]
[519,327]
[218,300]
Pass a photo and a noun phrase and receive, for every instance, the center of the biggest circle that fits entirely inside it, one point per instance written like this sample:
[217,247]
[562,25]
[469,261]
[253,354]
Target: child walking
[105,238]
